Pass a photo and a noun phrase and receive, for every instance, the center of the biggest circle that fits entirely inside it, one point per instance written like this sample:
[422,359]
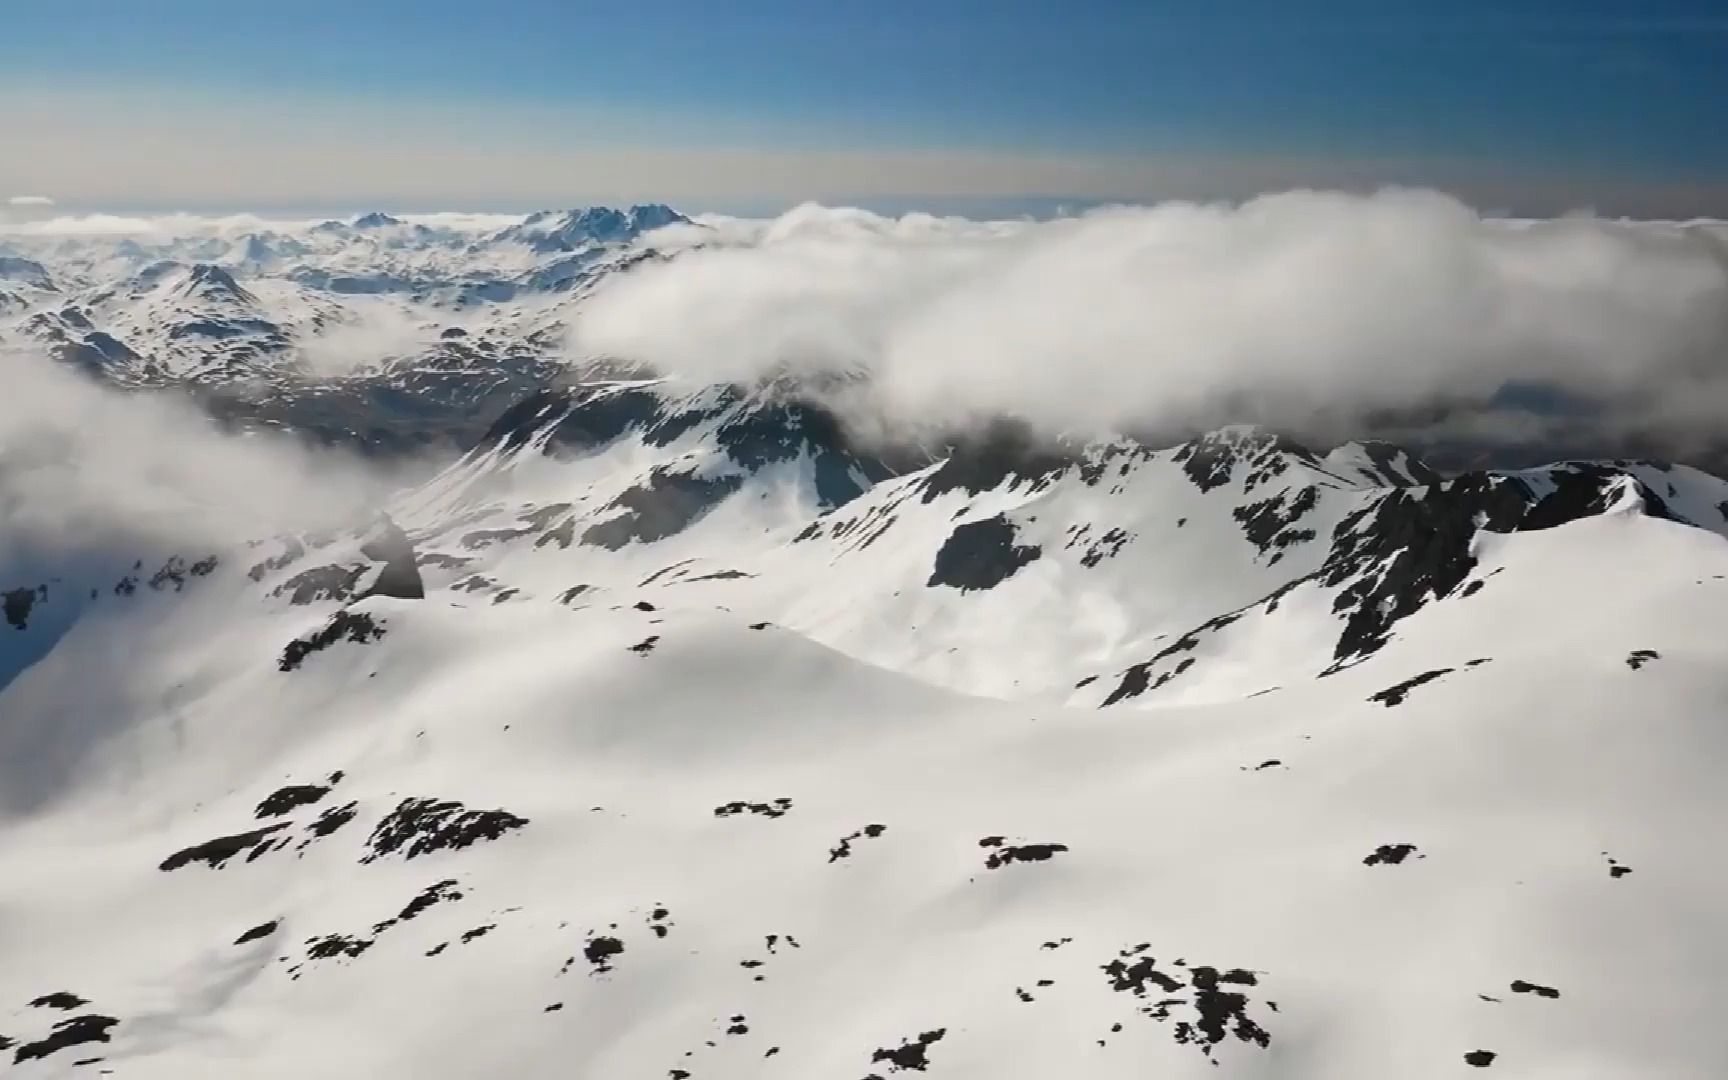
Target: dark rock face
[287,799]
[601,951]
[63,1000]
[1138,680]
[97,354]
[1207,1004]
[400,574]
[1639,657]
[331,946]
[1520,986]
[1395,695]
[1421,536]
[1406,548]
[579,419]
[1480,1059]
[16,605]
[262,930]
[1214,458]
[912,1055]
[214,853]
[175,571]
[331,819]
[563,534]
[421,826]
[1390,855]
[981,555]
[320,583]
[751,430]
[777,808]
[1106,546]
[1002,854]
[1116,459]
[90,1028]
[481,538]
[386,546]
[1270,524]
[1008,452]
[441,892]
[1584,490]
[781,431]
[356,626]
[843,850]
[666,505]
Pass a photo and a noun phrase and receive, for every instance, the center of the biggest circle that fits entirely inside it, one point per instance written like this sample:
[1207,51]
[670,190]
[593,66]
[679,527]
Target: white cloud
[376,329]
[29,200]
[85,469]
[1305,310]
[154,225]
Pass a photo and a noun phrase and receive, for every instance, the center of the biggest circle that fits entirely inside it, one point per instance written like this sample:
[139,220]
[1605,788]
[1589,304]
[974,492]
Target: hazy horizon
[194,105]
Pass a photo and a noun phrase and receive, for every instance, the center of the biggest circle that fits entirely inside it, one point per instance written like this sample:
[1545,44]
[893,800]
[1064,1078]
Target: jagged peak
[649,216]
[1212,459]
[1379,462]
[377,219]
[1004,451]
[565,230]
[209,281]
[725,428]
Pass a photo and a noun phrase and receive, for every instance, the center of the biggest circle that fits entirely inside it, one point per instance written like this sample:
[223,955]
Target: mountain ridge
[672,727]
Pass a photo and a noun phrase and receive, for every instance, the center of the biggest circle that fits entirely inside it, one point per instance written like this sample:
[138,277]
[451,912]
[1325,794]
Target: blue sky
[503,104]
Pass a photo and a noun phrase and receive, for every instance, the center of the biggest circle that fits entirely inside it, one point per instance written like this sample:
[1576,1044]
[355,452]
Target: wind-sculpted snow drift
[677,730]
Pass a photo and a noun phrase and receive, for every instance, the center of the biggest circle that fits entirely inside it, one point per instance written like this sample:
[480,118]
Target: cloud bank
[84,470]
[1308,311]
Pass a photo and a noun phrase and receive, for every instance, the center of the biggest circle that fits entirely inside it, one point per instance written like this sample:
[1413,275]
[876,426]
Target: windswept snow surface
[671,734]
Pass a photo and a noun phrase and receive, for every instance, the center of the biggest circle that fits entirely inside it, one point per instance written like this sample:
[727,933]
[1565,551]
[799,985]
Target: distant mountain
[25,272]
[572,230]
[376,220]
[376,331]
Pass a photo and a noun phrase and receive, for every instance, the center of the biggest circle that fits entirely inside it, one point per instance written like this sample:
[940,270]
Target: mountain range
[674,730]
[376,332]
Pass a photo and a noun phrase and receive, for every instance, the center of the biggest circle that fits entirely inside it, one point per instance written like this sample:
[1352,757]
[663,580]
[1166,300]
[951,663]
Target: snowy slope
[639,833]
[678,730]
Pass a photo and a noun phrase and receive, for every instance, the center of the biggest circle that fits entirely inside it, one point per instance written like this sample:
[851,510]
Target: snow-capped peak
[570,230]
[211,283]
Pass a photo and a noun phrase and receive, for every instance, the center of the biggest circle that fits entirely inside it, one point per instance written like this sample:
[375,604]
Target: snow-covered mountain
[676,731]
[327,328]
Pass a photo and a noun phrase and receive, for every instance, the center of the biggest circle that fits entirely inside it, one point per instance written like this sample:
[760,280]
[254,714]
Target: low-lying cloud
[85,469]
[1312,312]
